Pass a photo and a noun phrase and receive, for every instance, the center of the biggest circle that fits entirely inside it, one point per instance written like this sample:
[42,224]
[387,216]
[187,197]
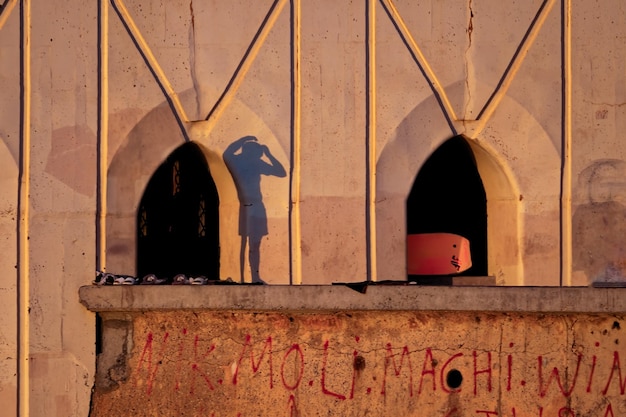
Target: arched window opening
[178,219]
[448,197]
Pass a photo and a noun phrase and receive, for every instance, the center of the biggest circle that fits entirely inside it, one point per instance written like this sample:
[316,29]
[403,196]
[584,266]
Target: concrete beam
[339,298]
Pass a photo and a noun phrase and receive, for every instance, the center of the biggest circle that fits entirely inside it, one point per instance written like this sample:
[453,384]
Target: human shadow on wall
[599,223]
[244,159]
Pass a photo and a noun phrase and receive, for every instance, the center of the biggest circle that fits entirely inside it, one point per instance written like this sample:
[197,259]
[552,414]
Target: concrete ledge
[339,297]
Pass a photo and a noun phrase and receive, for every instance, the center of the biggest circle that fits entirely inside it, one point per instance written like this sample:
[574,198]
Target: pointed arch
[150,144]
[416,138]
[448,196]
[178,218]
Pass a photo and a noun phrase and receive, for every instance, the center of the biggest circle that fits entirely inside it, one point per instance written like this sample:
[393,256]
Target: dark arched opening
[178,219]
[448,197]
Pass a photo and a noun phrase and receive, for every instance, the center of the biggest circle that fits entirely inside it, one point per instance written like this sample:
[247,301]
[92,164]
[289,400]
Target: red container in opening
[437,254]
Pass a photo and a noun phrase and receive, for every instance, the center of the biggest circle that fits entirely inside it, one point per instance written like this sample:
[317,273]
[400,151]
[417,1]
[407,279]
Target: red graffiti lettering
[391,358]
[509,367]
[487,371]
[443,373]
[555,375]
[593,368]
[355,369]
[428,362]
[195,349]
[196,369]
[179,361]
[204,376]
[152,368]
[299,365]
[622,382]
[292,407]
[195,366]
[324,363]
[257,365]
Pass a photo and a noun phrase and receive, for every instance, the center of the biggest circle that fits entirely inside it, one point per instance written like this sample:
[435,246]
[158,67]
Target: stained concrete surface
[401,350]
[362,363]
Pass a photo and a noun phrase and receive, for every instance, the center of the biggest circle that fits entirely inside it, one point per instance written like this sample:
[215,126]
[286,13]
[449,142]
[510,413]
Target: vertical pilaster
[102,135]
[371,141]
[295,236]
[23,287]
[566,147]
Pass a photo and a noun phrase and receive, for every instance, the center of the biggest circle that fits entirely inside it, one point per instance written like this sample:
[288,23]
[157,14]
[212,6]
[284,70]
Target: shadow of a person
[244,160]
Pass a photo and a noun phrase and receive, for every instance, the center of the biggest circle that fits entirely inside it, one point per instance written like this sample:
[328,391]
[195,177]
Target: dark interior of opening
[178,219]
[448,196]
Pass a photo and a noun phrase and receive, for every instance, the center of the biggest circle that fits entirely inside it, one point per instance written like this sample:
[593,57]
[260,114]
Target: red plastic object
[437,254]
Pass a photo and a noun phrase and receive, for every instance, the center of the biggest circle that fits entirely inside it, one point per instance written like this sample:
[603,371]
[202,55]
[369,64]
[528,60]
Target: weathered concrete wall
[234,363]
[48,74]
[9,161]
[351,97]
[330,350]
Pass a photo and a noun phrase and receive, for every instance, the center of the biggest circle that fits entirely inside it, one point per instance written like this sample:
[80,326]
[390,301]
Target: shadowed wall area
[247,160]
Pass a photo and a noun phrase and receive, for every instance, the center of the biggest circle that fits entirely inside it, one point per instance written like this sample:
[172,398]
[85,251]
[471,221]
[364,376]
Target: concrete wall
[353,364]
[48,197]
[350,97]
[353,107]
[293,356]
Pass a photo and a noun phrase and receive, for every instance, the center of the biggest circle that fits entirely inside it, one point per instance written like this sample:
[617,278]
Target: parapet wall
[354,362]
